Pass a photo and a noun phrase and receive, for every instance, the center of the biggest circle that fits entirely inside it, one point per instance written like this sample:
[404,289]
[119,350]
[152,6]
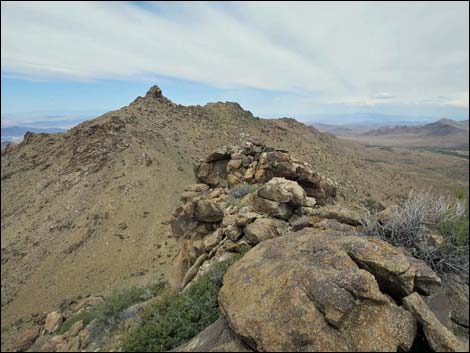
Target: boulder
[283,190]
[212,174]
[263,229]
[53,320]
[27,338]
[271,208]
[304,292]
[209,211]
[215,338]
[437,335]
[340,214]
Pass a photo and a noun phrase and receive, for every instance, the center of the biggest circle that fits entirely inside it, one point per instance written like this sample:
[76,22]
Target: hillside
[442,133]
[92,204]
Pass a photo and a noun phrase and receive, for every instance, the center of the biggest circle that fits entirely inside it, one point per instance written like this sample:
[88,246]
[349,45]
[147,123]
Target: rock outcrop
[311,281]
[243,196]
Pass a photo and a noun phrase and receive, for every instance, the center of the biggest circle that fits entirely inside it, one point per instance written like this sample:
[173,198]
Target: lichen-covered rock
[305,292]
[283,190]
[438,336]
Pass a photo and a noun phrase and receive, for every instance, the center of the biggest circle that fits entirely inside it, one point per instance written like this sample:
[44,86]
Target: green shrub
[107,314]
[178,317]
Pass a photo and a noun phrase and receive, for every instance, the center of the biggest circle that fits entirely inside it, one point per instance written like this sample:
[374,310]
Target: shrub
[107,314]
[417,216]
[179,316]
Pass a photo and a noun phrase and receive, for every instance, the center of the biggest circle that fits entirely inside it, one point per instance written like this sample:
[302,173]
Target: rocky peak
[154,92]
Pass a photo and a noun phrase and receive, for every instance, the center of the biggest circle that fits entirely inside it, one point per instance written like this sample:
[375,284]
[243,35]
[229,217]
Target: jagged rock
[215,338]
[305,292]
[426,280]
[53,321]
[209,211]
[154,92]
[438,336]
[27,338]
[340,214]
[263,229]
[389,265]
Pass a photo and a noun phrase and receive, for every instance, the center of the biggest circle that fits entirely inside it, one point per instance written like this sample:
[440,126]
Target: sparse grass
[107,314]
[421,214]
[177,317]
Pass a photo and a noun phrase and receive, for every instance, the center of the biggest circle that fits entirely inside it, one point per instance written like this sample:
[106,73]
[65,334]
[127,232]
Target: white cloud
[346,53]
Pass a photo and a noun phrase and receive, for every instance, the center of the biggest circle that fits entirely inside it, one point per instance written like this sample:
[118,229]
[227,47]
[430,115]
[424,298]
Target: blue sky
[313,62]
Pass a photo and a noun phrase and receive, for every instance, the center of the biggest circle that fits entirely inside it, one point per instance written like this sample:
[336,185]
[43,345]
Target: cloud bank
[355,54]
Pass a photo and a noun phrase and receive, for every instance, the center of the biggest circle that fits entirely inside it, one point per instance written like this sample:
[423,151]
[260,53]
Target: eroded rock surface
[309,291]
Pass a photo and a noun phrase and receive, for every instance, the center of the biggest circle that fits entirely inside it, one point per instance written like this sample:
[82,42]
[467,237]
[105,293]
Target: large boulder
[283,190]
[437,335]
[318,290]
[27,338]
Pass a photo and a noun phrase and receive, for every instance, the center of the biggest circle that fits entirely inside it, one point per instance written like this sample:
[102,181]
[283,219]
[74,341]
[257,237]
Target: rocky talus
[309,281]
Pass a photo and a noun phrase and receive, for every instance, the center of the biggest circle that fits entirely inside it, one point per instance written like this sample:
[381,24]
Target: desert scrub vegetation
[108,314]
[413,223]
[237,192]
[176,317]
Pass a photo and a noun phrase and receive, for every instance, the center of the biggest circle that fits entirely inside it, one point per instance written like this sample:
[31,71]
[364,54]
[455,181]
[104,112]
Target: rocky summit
[157,190]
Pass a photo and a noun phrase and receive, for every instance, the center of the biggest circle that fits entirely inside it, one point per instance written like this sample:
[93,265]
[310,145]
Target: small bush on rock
[420,215]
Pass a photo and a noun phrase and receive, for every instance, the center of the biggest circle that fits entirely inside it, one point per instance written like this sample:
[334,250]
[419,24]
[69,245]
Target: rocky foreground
[309,280]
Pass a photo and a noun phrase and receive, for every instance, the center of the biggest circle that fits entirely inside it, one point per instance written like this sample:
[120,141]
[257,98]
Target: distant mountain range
[444,133]
[15,133]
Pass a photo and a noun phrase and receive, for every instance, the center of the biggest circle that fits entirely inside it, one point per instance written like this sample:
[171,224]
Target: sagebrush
[410,224]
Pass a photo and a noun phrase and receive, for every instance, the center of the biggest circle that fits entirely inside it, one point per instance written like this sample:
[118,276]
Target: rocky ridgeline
[311,281]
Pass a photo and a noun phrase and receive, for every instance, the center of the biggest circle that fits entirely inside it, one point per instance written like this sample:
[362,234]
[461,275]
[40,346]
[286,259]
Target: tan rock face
[438,336]
[52,321]
[305,292]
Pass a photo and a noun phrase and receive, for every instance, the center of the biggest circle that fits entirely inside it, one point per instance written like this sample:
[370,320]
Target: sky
[62,62]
